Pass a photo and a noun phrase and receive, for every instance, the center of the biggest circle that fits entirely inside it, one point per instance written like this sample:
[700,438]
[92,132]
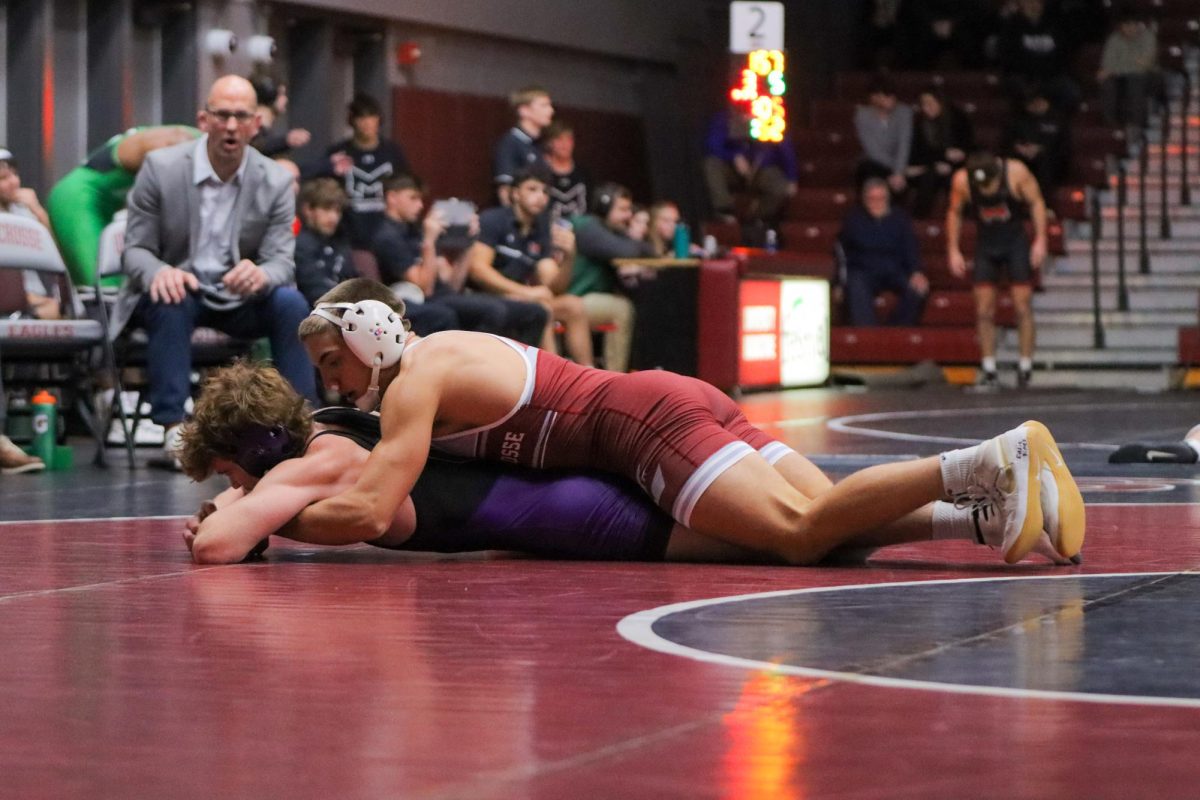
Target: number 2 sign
[755,26]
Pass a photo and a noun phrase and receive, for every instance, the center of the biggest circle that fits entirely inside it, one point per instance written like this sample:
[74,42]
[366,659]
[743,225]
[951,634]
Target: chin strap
[370,400]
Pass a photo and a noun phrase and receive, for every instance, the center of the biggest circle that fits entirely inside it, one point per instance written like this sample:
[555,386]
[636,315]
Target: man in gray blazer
[209,242]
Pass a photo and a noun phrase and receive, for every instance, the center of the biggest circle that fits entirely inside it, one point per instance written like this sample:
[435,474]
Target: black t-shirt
[515,151]
[517,254]
[569,193]
[397,246]
[364,184]
[321,263]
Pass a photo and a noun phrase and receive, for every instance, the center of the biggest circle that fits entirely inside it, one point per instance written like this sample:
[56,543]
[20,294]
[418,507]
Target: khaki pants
[616,309]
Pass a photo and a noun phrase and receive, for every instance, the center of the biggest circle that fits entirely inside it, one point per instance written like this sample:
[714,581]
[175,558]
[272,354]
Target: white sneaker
[170,449]
[1062,504]
[1004,490]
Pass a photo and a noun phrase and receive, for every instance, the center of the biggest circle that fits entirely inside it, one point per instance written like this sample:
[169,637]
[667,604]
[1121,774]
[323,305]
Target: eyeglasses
[223,115]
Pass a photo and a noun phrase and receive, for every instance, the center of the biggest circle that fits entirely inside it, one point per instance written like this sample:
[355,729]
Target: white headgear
[374,332]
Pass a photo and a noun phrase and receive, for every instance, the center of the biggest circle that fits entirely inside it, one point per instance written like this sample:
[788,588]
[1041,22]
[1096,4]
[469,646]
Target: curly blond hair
[233,400]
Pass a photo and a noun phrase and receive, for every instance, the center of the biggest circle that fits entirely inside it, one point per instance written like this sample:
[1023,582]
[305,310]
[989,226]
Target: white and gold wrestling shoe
[1023,498]
[1002,478]
[1064,518]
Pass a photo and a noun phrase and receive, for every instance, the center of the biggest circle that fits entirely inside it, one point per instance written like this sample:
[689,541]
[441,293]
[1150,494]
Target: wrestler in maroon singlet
[672,434]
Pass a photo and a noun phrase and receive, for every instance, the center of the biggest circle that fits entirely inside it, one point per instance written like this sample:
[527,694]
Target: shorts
[995,259]
[680,434]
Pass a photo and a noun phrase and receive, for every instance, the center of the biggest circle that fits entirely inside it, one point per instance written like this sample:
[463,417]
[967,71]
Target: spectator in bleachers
[209,242]
[517,150]
[1035,49]
[879,28]
[323,257]
[639,223]
[407,249]
[406,252]
[1128,72]
[41,298]
[999,194]
[406,243]
[363,162]
[272,104]
[519,255]
[601,236]
[938,34]
[1039,135]
[880,254]
[734,162]
[14,199]
[569,182]
[942,137]
[664,219]
[885,129]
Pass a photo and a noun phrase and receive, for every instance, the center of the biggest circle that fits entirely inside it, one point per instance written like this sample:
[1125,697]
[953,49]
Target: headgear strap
[374,332]
[260,448]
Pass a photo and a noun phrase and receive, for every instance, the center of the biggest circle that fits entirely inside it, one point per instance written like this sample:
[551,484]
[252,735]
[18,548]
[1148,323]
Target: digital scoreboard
[758,79]
[757,94]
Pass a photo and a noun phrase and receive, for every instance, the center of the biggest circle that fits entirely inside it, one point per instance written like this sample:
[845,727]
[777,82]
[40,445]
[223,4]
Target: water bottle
[771,241]
[44,407]
[683,241]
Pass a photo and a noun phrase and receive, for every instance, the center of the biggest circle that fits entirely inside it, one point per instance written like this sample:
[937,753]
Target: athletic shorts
[993,261]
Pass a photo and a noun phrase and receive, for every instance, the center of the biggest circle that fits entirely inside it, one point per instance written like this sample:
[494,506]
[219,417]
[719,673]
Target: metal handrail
[1164,223]
[1097,325]
[1143,168]
[1122,196]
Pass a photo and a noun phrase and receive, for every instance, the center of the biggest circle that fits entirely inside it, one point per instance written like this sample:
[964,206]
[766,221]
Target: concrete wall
[634,29]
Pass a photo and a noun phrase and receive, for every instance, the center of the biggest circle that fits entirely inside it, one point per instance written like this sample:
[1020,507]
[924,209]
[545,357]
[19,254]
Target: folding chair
[68,343]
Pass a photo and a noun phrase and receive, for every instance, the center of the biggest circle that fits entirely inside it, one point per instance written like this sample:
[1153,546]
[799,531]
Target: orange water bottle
[45,426]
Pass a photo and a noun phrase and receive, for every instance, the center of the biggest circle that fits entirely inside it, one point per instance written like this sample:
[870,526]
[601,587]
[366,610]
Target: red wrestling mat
[358,673]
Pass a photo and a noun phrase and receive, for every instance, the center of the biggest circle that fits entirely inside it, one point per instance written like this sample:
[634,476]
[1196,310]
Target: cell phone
[455,211]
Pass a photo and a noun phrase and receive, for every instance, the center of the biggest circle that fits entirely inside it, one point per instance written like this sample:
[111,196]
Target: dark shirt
[517,253]
[881,245]
[397,247]
[364,184]
[1036,50]
[569,193]
[933,137]
[725,144]
[321,263]
[515,151]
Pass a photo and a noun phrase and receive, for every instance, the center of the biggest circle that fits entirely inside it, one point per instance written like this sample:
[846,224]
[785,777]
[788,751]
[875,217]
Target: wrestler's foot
[989,530]
[1062,504]
[1003,474]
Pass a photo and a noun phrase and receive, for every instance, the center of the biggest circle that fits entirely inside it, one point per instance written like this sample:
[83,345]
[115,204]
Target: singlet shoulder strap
[358,426]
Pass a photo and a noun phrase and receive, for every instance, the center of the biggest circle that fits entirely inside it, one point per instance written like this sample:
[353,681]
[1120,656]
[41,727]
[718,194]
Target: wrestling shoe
[1062,504]
[989,530]
[1005,473]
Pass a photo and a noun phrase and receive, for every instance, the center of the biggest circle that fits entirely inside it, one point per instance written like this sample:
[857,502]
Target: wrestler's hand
[957,264]
[192,526]
[1037,253]
[171,285]
[246,278]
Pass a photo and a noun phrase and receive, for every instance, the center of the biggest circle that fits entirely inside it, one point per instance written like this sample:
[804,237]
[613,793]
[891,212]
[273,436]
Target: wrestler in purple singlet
[480,505]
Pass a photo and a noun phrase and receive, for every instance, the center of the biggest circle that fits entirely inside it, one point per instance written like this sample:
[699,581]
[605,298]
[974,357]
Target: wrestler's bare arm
[365,511]
[242,520]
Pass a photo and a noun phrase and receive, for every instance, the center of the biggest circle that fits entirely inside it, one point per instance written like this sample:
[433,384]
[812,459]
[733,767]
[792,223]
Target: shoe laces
[992,492]
[982,512]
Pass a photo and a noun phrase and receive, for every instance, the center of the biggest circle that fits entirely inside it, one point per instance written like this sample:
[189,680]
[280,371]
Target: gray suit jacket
[164,220]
